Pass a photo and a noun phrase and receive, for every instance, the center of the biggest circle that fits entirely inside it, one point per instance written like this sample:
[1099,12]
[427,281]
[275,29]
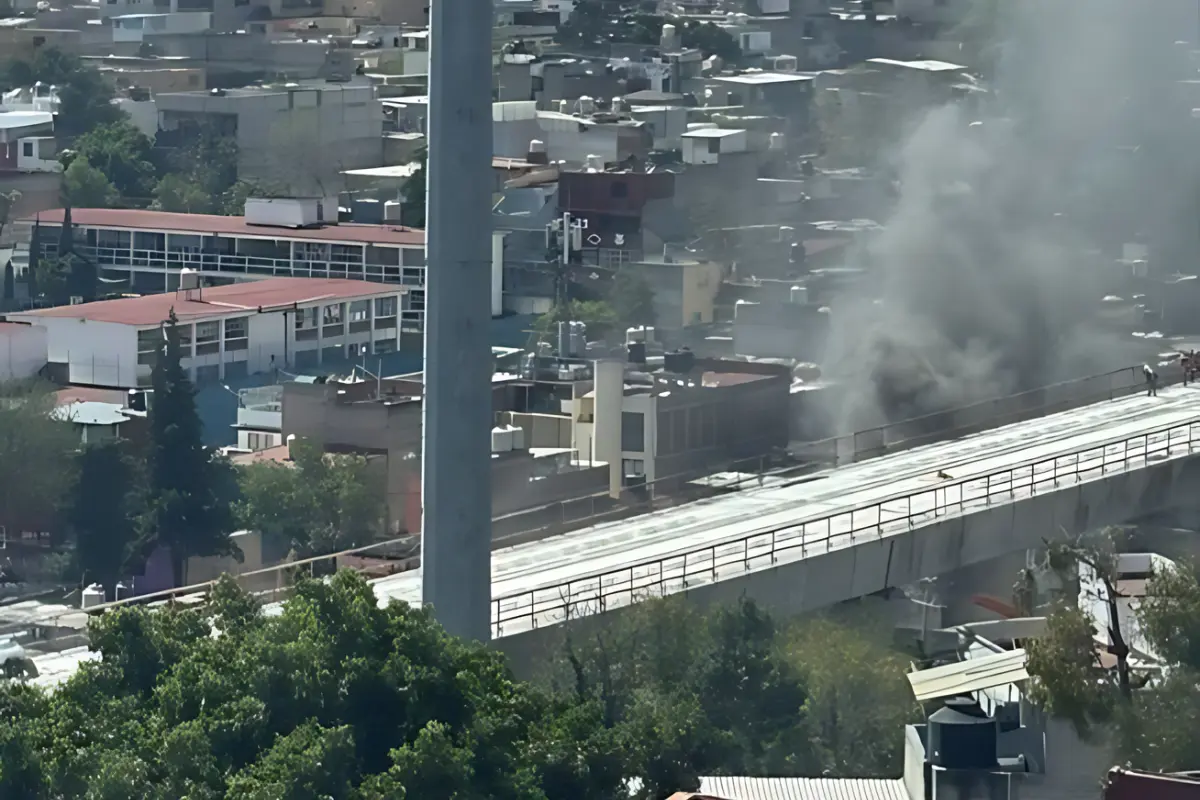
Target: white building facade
[225,332]
[146,250]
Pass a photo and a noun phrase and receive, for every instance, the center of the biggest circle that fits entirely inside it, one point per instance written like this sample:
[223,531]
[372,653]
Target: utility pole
[456,495]
[562,236]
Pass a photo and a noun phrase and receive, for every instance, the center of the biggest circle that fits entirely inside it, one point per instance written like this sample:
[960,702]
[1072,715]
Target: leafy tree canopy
[85,95]
[84,186]
[319,503]
[36,458]
[1148,716]
[123,154]
[339,699]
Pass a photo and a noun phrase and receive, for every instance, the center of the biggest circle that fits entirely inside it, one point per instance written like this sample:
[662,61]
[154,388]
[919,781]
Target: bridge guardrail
[663,575]
[980,416]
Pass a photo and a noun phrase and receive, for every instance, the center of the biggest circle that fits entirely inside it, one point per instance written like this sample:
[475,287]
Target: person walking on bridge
[1151,381]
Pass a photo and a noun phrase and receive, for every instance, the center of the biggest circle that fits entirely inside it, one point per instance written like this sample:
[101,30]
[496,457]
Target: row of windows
[258,248]
[335,313]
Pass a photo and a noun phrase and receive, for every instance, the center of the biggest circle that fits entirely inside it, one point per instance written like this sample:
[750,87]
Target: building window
[236,369]
[306,318]
[385,306]
[412,257]
[208,335]
[149,342]
[27,149]
[633,432]
[332,314]
[360,310]
[385,346]
[237,333]
[714,145]
[633,466]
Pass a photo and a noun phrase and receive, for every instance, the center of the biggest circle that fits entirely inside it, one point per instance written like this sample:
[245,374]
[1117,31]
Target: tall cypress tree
[35,261]
[190,491]
[81,272]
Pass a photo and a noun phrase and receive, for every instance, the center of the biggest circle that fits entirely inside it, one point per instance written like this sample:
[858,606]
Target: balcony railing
[123,257]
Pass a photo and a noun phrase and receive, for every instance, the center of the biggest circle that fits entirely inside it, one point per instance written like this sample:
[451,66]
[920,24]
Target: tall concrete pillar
[457,412]
[610,397]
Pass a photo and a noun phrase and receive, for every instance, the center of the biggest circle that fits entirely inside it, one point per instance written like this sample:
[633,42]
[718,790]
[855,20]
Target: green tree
[84,186]
[318,504]
[632,298]
[52,280]
[10,283]
[102,509]
[412,195]
[858,697]
[123,154]
[175,192]
[35,458]
[198,177]
[86,96]
[598,315]
[189,486]
[8,201]
[750,698]
[335,697]
[1143,714]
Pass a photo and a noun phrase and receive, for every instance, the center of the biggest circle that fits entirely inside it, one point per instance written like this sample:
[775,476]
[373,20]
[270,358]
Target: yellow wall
[701,282]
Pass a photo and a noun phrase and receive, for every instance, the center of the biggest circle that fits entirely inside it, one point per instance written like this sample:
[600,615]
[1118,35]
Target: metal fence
[762,549]
[981,416]
[698,481]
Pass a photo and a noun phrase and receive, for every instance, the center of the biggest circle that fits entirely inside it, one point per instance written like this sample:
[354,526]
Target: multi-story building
[226,332]
[147,249]
[300,136]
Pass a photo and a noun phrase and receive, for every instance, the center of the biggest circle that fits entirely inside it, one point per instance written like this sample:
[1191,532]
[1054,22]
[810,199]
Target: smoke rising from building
[989,271]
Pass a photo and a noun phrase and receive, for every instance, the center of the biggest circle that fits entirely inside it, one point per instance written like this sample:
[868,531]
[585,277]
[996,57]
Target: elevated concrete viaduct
[860,529]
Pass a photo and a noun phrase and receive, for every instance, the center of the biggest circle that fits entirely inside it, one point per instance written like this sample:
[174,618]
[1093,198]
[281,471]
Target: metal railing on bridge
[762,549]
[981,416]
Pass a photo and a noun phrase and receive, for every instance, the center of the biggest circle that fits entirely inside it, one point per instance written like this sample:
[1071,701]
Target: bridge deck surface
[545,566]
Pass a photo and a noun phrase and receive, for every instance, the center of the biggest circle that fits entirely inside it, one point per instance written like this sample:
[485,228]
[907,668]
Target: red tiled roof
[217,301]
[89,394]
[141,220]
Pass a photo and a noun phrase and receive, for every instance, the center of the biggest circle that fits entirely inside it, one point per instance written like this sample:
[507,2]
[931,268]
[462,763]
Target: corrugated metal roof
[971,675]
[804,788]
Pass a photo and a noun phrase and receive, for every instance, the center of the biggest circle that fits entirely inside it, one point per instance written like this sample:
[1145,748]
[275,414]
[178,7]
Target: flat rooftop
[217,301]
[214,225]
[763,78]
[712,133]
[927,65]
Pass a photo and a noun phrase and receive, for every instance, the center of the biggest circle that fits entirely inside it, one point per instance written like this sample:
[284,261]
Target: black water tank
[679,362]
[637,352]
[961,736]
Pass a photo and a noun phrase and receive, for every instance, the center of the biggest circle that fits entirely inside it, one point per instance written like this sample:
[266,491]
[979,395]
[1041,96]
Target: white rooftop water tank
[93,596]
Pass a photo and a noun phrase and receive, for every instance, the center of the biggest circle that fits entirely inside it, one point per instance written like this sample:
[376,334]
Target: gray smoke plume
[1011,212]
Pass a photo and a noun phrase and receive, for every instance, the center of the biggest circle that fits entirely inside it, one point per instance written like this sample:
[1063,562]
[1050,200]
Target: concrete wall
[22,351]
[302,138]
[871,565]
[97,353]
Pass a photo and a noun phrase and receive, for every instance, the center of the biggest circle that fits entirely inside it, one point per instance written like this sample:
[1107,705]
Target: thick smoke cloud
[1011,211]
